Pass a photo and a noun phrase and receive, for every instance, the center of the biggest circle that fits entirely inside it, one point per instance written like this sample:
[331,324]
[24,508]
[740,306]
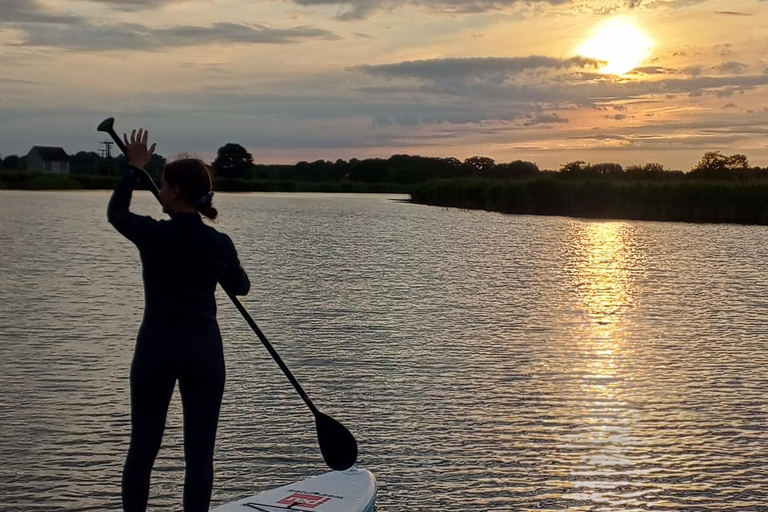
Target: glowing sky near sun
[550,82]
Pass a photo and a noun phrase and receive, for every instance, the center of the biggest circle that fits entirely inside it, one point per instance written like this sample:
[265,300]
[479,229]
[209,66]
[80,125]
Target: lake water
[483,361]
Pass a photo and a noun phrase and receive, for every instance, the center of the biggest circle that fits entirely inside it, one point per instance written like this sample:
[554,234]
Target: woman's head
[186,187]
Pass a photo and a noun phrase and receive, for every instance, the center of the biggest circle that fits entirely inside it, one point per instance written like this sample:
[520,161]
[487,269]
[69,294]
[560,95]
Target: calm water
[484,362]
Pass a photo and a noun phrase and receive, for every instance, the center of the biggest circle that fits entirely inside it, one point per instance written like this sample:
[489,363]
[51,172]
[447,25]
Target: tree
[575,167]
[11,162]
[516,169]
[85,162]
[738,162]
[155,165]
[609,169]
[232,161]
[653,168]
[370,170]
[481,163]
[649,171]
[715,165]
[712,161]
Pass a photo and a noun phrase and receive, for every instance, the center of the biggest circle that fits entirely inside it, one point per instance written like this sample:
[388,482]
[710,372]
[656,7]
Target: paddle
[337,444]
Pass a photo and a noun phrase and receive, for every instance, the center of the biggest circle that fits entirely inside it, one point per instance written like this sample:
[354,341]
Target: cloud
[732,13]
[360,9]
[544,119]
[692,70]
[653,70]
[732,67]
[85,36]
[31,11]
[17,81]
[536,80]
[136,5]
[499,68]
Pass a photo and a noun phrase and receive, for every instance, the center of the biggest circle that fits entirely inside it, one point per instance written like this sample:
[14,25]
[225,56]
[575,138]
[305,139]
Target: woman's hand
[136,150]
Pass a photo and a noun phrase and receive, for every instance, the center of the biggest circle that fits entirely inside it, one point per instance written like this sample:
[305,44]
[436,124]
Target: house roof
[51,153]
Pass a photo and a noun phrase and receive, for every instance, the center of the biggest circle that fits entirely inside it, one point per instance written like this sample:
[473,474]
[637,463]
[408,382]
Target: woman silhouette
[182,260]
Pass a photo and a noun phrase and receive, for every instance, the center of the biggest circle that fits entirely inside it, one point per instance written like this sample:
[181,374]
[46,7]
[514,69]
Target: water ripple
[484,362]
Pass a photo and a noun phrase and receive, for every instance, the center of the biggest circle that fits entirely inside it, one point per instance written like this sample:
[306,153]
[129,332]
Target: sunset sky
[550,82]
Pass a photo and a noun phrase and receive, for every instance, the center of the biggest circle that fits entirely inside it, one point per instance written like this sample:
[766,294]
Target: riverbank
[50,181]
[679,200]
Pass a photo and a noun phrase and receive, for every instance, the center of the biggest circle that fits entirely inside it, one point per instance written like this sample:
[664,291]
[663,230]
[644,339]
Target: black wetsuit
[179,339]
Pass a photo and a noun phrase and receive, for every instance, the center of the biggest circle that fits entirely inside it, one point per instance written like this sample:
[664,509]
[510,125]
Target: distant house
[47,159]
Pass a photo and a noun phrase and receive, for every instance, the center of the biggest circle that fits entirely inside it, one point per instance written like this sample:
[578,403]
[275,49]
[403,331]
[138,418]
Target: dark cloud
[486,68]
[359,9]
[732,67]
[522,80]
[535,119]
[86,36]
[729,91]
[136,5]
[733,13]
[31,11]
[692,70]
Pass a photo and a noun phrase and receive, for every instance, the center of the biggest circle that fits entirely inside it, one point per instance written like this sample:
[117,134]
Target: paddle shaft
[150,184]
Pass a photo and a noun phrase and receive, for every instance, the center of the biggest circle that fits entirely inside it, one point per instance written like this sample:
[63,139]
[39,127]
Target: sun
[619,43]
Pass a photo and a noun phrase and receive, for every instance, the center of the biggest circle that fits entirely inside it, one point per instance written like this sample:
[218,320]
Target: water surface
[484,362]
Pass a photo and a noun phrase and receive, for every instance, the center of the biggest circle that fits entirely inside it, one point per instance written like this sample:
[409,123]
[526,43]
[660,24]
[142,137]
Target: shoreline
[55,181]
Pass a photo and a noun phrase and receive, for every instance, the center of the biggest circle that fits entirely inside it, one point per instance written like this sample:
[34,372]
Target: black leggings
[195,359]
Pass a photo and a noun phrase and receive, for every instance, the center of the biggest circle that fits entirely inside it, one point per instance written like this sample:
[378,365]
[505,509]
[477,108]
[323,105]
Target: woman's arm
[229,272]
[128,224]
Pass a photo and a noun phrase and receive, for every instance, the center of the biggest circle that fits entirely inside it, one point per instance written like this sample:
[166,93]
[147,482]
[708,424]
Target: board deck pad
[353,490]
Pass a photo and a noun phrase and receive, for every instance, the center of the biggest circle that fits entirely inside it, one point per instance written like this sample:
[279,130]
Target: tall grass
[684,200]
[42,181]
[50,181]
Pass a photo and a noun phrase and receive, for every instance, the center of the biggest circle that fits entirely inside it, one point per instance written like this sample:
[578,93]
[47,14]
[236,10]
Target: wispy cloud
[85,36]
[137,5]
[31,11]
[544,119]
[473,67]
[360,9]
[733,13]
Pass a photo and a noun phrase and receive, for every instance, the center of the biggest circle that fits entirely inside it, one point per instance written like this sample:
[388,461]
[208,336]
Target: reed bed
[681,200]
[49,181]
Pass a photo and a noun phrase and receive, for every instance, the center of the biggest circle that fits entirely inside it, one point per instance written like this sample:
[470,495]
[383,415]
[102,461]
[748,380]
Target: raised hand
[136,150]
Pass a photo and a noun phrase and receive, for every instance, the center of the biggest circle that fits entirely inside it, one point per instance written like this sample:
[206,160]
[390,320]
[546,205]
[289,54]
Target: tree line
[234,162]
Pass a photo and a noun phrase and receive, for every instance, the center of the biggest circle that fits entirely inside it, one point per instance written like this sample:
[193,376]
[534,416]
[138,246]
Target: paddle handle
[150,184]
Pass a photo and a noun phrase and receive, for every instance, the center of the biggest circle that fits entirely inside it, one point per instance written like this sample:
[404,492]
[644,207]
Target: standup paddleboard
[353,490]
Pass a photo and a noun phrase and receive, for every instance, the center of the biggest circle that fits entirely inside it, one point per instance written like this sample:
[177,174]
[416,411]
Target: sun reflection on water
[604,261]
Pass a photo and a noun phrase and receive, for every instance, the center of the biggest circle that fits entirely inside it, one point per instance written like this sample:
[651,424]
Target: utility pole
[106,153]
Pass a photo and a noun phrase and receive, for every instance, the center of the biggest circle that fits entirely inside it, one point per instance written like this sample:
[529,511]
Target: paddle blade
[337,444]
[106,125]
